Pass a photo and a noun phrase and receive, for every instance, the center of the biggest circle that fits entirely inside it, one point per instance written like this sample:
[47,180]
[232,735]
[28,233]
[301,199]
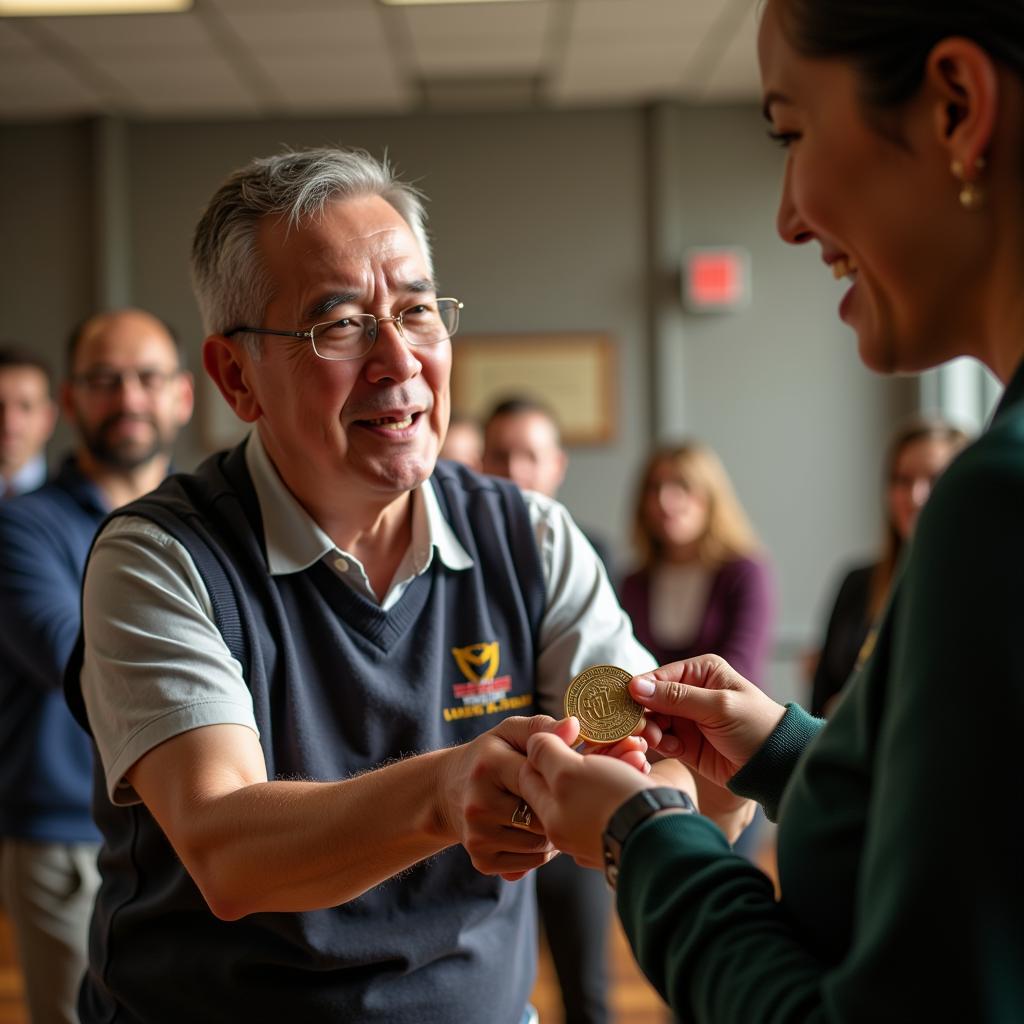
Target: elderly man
[308,668]
[27,418]
[126,398]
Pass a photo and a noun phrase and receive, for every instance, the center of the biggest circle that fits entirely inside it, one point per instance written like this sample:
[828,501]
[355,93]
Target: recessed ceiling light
[53,8]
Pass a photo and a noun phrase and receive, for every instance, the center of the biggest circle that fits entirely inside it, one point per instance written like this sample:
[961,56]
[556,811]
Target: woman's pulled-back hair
[889,40]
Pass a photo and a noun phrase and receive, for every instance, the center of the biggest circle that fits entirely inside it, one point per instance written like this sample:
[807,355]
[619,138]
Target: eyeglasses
[107,382]
[426,323]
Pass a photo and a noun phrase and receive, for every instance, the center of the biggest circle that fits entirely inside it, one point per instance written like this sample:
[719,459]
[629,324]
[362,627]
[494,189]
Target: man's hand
[479,792]
[574,795]
[705,714]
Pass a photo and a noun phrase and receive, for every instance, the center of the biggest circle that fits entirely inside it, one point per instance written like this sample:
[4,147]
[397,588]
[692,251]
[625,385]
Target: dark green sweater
[901,821]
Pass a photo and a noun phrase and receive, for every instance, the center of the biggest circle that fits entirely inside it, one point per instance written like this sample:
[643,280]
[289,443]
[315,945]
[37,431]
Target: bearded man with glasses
[311,669]
[125,397]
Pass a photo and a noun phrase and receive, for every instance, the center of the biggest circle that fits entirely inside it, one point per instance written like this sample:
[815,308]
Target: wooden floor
[12,1010]
[633,1000]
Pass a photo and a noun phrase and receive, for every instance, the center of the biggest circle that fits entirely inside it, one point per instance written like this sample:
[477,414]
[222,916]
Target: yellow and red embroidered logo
[483,691]
[478,661]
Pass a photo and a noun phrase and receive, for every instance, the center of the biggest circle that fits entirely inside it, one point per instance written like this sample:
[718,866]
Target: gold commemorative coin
[599,698]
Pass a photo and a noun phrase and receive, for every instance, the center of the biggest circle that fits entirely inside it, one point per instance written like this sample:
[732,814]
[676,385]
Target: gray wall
[776,388]
[542,221]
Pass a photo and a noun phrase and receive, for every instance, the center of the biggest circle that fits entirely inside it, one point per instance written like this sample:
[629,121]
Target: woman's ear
[964,84]
[228,364]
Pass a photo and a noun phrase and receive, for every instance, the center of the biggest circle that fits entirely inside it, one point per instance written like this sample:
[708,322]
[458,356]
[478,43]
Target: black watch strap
[636,809]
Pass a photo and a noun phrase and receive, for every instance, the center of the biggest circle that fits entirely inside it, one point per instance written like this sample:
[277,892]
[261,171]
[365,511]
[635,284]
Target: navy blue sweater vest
[338,686]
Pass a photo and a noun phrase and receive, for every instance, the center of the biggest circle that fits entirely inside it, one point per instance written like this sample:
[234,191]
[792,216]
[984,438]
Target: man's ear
[228,367]
[964,82]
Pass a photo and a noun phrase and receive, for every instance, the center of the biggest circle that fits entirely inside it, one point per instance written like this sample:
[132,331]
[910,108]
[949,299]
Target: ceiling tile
[492,39]
[14,42]
[346,99]
[355,31]
[509,56]
[115,33]
[735,76]
[661,63]
[160,81]
[477,21]
[39,84]
[649,17]
[367,83]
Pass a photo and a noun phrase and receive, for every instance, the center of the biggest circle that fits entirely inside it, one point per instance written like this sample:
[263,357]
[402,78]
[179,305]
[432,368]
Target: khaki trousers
[48,890]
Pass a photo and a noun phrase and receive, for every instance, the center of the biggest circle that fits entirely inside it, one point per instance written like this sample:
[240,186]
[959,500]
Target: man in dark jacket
[126,398]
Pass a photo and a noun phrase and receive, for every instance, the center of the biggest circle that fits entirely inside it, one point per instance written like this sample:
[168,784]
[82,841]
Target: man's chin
[401,474]
[126,457]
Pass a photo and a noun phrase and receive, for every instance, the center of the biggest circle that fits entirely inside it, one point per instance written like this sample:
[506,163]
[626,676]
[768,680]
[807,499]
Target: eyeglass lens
[426,323]
[105,382]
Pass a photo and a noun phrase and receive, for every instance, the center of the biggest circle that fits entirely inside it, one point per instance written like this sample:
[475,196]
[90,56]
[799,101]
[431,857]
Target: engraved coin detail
[599,698]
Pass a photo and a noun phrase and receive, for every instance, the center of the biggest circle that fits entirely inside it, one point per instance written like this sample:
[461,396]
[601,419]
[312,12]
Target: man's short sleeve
[155,663]
[583,622]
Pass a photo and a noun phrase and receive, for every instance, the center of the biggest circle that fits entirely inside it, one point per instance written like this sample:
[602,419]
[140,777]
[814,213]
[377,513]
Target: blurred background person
[916,456]
[523,443]
[28,415]
[126,398]
[704,585]
[464,441]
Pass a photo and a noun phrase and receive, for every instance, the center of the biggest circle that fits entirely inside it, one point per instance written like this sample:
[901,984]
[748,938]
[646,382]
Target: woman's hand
[574,794]
[731,813]
[705,714]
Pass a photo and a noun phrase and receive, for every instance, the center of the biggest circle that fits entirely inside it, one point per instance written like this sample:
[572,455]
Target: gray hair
[231,284]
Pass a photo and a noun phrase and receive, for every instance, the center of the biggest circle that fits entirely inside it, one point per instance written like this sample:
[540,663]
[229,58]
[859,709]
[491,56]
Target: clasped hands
[704,719]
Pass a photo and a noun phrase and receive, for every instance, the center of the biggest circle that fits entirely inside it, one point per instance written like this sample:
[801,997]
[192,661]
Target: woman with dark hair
[703,586]
[900,845]
[916,456]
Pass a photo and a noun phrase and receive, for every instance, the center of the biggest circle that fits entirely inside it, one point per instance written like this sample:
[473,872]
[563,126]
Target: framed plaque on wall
[573,373]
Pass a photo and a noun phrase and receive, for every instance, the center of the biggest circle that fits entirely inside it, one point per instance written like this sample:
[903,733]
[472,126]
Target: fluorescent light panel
[53,8]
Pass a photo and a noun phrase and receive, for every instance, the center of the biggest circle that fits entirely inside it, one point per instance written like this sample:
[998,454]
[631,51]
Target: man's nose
[130,392]
[391,357]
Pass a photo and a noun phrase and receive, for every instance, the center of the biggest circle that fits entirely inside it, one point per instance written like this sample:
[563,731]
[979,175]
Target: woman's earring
[971,195]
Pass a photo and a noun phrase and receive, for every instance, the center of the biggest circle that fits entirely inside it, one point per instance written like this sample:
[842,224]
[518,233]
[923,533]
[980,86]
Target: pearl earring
[971,195]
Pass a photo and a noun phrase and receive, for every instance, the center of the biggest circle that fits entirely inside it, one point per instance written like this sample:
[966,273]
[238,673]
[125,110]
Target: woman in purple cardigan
[704,586]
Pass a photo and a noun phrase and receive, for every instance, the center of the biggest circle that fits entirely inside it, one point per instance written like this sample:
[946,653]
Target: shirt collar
[71,478]
[28,478]
[294,541]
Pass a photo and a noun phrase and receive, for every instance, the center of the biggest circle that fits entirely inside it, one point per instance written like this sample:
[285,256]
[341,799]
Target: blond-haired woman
[704,586]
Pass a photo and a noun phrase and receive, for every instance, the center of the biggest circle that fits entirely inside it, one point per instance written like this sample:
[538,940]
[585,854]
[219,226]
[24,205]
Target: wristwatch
[636,809]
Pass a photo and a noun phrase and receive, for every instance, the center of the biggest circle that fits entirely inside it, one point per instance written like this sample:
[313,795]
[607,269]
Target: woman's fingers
[700,689]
